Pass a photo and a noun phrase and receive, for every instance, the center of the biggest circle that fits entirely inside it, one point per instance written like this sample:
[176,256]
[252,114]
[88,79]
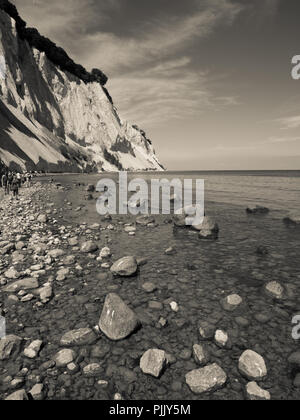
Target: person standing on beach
[15,186]
[9,181]
[4,183]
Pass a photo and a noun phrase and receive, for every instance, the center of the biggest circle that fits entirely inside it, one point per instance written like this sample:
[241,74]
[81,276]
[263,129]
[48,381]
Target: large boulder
[117,320]
[153,362]
[207,379]
[125,267]
[252,365]
[10,346]
[80,337]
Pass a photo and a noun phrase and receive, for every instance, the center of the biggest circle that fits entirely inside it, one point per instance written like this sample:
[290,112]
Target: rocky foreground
[80,323]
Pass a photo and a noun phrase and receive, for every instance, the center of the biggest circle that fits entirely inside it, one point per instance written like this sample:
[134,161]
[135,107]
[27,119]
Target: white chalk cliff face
[51,120]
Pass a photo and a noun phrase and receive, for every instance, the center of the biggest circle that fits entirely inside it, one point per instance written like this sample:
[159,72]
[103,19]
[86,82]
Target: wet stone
[252,365]
[153,362]
[207,379]
[254,392]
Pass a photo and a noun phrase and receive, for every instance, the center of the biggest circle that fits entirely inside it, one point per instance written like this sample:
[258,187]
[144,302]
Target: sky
[208,80]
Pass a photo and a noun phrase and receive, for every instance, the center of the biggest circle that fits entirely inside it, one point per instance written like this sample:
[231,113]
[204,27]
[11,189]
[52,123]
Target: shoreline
[196,275]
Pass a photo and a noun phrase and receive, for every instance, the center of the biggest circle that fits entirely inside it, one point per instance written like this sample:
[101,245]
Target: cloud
[288,123]
[283,139]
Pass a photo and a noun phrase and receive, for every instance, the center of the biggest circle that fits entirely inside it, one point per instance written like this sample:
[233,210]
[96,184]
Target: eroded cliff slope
[51,120]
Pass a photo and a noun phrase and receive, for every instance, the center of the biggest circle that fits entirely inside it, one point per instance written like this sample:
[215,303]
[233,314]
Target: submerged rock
[117,320]
[153,362]
[10,346]
[23,284]
[274,289]
[252,365]
[89,246]
[80,337]
[64,357]
[292,219]
[201,354]
[125,267]
[186,218]
[254,392]
[231,302]
[257,210]
[207,379]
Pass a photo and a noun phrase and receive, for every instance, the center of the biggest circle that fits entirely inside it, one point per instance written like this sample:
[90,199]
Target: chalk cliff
[52,120]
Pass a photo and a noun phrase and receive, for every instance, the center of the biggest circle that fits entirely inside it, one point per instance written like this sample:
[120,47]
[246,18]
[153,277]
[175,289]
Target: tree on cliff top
[54,53]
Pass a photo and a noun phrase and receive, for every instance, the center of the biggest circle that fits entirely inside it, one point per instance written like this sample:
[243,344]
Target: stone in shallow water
[93,369]
[201,354]
[231,302]
[294,360]
[117,320]
[254,392]
[105,252]
[257,210]
[153,362]
[89,246]
[292,219]
[206,330]
[207,379]
[64,357]
[10,346]
[274,289]
[149,287]
[252,365]
[56,253]
[23,284]
[37,392]
[221,338]
[17,396]
[125,267]
[33,349]
[80,337]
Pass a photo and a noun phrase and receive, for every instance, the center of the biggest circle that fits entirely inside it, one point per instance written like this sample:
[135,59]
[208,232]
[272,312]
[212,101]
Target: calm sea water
[278,190]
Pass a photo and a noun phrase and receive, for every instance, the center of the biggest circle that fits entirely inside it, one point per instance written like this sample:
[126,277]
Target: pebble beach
[135,308]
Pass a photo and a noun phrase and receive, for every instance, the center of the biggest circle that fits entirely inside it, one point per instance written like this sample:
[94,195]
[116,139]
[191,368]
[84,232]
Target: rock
[208,229]
[12,274]
[37,392]
[296,381]
[153,362]
[88,247]
[17,396]
[73,241]
[45,293]
[117,320]
[93,369]
[64,357]
[42,218]
[156,306]
[257,210]
[231,302]
[105,252]
[129,229]
[174,306]
[56,253]
[125,267]
[201,354]
[206,330]
[254,392]
[274,290]
[144,220]
[252,365]
[10,346]
[149,287]
[90,188]
[206,379]
[221,338]
[262,250]
[293,359]
[170,251]
[292,219]
[33,349]
[80,337]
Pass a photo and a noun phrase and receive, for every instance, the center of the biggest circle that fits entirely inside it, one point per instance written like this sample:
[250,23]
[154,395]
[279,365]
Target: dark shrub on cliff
[54,53]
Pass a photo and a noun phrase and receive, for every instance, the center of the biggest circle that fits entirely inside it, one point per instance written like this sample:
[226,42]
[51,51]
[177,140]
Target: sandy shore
[54,288]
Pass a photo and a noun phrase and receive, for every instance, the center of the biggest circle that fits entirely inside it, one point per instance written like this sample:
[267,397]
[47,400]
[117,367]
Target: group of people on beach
[13,181]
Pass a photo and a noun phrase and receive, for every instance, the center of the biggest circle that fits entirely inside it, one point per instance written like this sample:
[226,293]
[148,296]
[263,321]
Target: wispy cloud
[288,123]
